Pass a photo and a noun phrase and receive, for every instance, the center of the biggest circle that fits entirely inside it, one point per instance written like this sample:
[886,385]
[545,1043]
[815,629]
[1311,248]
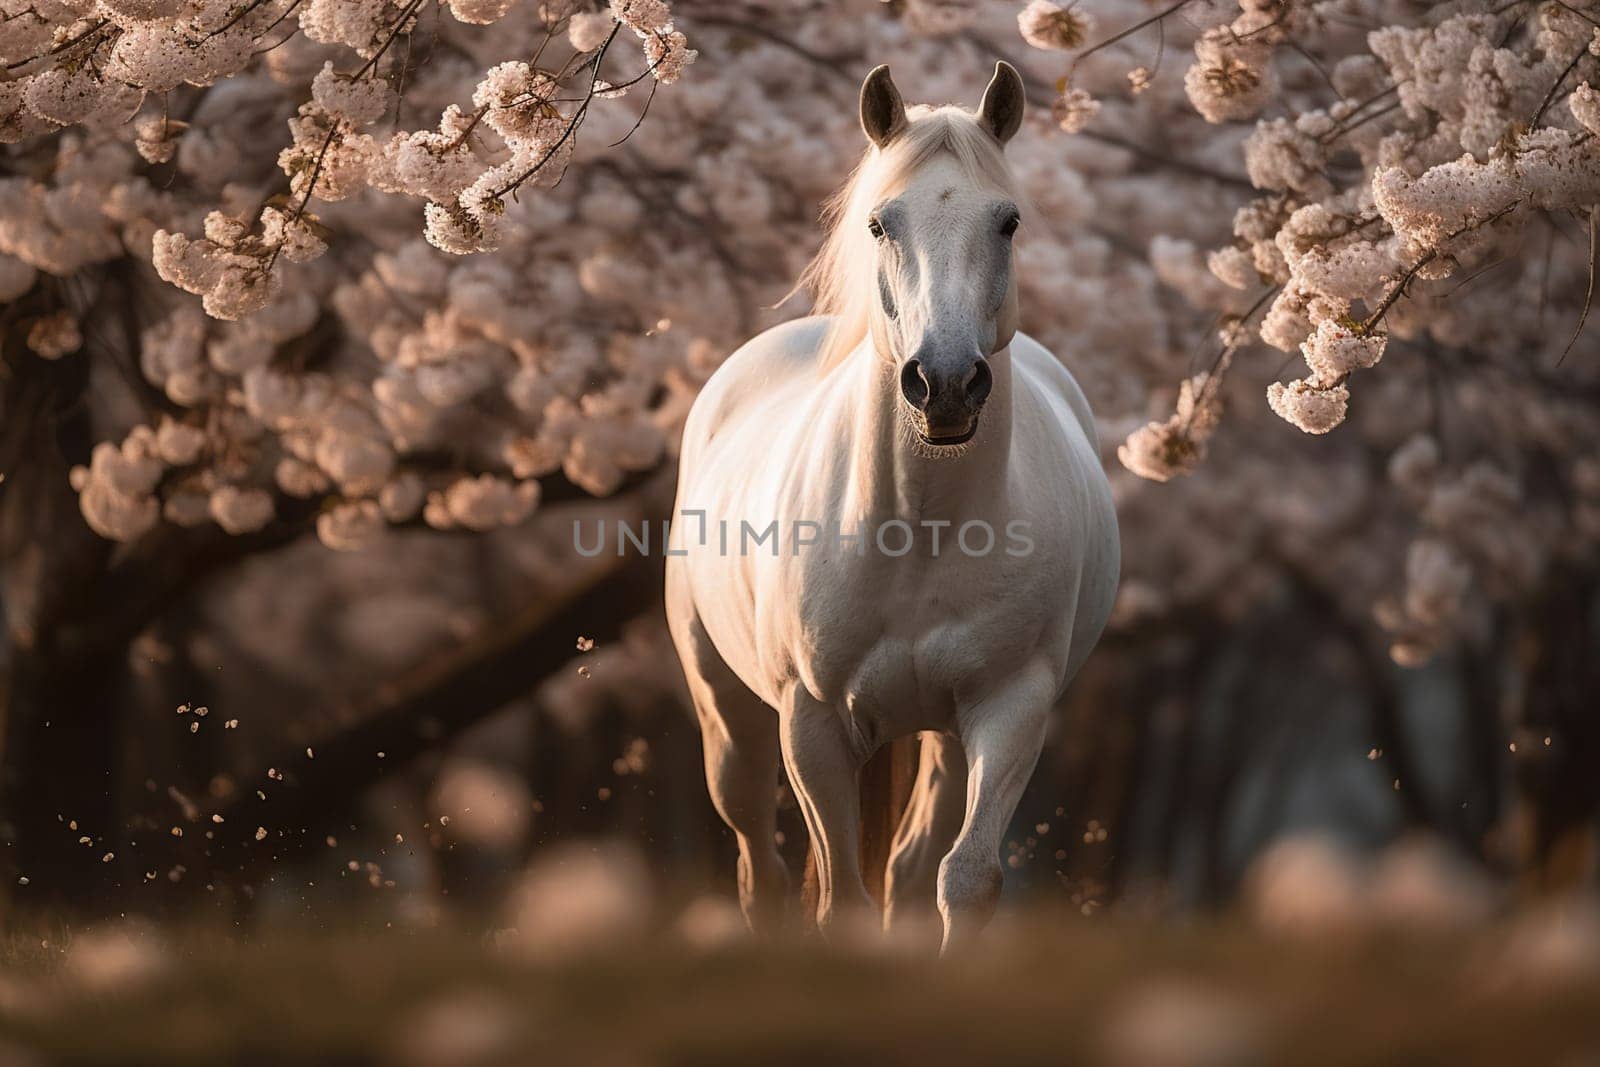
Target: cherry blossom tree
[1421,240]
[1419,147]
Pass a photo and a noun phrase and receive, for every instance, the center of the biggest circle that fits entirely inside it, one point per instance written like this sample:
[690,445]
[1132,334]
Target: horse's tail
[886,783]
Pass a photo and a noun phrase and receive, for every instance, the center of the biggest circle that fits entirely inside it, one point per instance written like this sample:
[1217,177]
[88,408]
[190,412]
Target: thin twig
[1316,64]
[1550,96]
[640,120]
[238,15]
[1474,276]
[1544,277]
[1339,131]
[400,85]
[1594,268]
[577,119]
[1161,49]
[1114,38]
[275,24]
[305,197]
[394,32]
[1581,14]
[1224,354]
[316,171]
[834,65]
[1150,155]
[1039,95]
[63,46]
[1398,289]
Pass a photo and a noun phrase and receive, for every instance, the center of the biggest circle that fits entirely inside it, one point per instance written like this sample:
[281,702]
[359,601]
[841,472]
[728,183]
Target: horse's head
[941,222]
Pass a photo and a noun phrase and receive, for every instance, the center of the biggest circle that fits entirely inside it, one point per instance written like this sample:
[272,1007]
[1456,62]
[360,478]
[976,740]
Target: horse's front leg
[825,770]
[1002,735]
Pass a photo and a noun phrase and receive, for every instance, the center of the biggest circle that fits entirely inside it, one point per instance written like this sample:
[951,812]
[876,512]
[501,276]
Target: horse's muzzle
[943,440]
[945,405]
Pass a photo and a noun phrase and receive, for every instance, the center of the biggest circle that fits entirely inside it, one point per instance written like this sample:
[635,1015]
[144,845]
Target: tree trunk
[1557,739]
[60,693]
[62,784]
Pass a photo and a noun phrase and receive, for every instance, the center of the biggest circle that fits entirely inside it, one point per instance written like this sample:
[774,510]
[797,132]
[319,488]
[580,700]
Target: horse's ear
[1003,101]
[883,113]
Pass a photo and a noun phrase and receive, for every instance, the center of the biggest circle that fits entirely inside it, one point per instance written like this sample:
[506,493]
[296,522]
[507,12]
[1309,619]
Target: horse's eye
[875,228]
[1009,226]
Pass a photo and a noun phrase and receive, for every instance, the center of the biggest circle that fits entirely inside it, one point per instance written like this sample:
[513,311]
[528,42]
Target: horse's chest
[898,683]
[902,645]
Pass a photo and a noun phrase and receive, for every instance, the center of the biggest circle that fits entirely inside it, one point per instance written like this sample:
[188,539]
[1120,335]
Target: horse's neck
[893,477]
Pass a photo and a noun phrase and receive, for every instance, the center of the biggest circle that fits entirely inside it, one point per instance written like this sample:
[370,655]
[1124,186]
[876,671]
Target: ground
[1046,989]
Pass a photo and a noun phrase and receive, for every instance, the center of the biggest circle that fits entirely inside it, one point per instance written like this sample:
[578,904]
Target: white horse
[947,550]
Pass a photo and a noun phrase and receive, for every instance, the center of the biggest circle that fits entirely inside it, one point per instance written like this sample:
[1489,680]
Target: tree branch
[419,711]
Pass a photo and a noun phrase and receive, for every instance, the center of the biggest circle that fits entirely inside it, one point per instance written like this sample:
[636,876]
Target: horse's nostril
[980,383]
[914,385]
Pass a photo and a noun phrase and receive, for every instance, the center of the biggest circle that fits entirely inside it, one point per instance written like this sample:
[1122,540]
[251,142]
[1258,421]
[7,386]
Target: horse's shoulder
[787,346]
[754,368]
[1046,371]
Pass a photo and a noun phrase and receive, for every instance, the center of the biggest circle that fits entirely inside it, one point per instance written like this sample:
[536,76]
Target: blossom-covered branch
[1439,143]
